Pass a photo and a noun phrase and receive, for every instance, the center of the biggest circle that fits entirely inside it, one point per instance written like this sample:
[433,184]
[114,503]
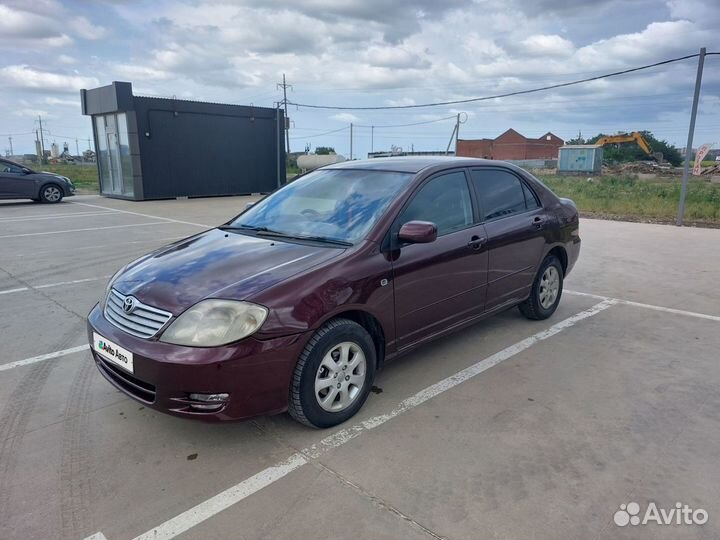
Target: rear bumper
[255,373]
[573,253]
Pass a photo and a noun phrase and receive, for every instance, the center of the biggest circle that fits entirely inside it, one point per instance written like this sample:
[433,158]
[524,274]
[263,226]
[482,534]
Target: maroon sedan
[296,303]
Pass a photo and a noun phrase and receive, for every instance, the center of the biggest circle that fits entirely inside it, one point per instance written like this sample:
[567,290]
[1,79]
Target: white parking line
[205,510]
[49,285]
[43,357]
[649,306]
[144,215]
[96,536]
[82,230]
[221,501]
[53,216]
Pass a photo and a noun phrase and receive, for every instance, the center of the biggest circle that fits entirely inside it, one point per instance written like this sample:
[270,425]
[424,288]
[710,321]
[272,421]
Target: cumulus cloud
[27,112]
[66,59]
[28,78]
[345,117]
[395,57]
[402,102]
[544,45]
[62,102]
[45,23]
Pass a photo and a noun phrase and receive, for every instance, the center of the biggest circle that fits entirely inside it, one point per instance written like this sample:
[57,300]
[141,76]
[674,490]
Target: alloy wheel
[52,194]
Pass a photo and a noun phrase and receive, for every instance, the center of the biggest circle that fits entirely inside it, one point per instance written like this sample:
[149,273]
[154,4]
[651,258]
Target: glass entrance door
[114,163]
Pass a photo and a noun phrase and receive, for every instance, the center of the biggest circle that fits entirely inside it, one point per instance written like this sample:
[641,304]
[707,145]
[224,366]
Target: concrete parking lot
[509,429]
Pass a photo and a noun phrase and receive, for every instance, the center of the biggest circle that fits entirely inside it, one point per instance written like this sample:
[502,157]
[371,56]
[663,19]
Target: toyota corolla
[295,304]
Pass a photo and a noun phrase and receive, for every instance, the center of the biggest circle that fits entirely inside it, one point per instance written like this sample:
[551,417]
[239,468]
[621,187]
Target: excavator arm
[635,136]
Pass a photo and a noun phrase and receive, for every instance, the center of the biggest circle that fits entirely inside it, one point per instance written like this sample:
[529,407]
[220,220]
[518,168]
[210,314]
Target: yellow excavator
[635,136]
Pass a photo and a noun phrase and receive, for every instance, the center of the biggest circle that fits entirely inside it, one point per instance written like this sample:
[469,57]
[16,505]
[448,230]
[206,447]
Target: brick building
[511,145]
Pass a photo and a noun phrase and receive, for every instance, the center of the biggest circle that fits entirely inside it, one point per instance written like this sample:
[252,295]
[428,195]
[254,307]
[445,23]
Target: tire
[539,305]
[51,193]
[319,367]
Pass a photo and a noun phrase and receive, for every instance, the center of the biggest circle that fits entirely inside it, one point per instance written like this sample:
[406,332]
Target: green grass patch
[83,176]
[706,163]
[628,197]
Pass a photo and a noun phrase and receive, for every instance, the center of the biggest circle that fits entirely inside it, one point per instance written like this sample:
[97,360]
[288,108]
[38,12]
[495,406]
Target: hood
[54,176]
[216,264]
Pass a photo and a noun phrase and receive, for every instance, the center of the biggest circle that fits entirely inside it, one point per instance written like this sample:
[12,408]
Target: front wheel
[333,376]
[546,290]
[51,193]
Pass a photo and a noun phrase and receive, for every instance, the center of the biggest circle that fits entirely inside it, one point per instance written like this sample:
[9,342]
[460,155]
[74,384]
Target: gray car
[20,182]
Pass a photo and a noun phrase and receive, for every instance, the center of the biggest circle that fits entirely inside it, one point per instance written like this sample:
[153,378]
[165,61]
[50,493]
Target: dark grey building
[160,148]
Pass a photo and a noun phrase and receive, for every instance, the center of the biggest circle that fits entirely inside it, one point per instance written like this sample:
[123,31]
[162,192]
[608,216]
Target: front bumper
[255,373]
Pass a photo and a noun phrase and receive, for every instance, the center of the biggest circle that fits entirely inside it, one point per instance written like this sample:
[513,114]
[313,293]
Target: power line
[408,125]
[322,134]
[496,96]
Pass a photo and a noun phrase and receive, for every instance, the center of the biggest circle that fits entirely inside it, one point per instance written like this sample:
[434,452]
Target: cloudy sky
[365,53]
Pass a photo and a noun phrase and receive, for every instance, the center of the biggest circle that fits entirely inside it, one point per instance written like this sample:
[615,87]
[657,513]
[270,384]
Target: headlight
[215,322]
[103,298]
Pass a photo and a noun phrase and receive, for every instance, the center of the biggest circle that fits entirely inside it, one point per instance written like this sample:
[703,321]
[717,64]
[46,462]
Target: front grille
[144,321]
[123,380]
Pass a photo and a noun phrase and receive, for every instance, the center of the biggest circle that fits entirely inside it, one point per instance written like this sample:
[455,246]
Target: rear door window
[501,193]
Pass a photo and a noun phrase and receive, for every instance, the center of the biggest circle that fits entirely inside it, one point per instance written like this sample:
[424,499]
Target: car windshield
[338,205]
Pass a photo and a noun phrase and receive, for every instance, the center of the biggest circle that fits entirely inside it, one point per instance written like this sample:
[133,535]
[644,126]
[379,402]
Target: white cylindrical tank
[54,150]
[309,162]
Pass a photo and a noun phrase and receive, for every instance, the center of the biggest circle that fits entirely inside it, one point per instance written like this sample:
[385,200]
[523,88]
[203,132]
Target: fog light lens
[210,398]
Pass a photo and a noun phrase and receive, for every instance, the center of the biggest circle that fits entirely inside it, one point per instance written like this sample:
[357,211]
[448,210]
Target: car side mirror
[25,170]
[418,232]
[249,205]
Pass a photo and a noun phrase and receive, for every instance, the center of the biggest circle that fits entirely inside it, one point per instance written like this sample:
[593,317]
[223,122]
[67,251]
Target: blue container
[580,158]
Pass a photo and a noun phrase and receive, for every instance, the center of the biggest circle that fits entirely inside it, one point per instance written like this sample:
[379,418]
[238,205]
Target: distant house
[511,145]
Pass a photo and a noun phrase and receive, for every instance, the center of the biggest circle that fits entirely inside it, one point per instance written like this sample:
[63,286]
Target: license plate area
[113,353]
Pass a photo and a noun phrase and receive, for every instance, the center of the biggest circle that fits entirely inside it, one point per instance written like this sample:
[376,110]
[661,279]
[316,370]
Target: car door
[443,282]
[515,223]
[14,183]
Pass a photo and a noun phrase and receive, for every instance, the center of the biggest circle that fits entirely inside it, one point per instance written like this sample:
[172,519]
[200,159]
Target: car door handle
[538,221]
[476,242]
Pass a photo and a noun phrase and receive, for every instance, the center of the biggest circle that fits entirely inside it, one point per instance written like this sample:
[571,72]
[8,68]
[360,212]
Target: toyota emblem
[129,305]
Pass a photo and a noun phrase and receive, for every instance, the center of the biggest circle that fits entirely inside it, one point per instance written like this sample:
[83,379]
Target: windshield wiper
[241,227]
[323,239]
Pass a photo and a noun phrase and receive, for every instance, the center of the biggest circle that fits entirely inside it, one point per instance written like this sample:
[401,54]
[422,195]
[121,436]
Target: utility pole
[77,147]
[372,139]
[280,181]
[11,148]
[42,141]
[351,141]
[457,132]
[38,148]
[691,132]
[284,87]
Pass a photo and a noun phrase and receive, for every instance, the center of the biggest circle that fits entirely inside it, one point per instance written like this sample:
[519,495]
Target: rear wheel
[333,376]
[51,193]
[546,291]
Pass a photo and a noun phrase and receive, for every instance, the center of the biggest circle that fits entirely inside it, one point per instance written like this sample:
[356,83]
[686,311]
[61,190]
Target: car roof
[410,164]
